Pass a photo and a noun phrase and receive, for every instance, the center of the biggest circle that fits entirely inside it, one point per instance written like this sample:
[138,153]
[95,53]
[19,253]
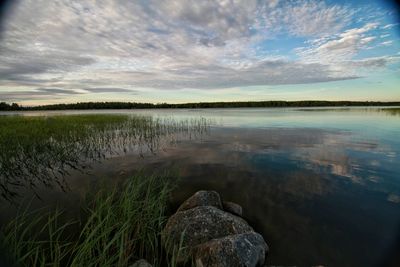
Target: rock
[141,263]
[211,232]
[202,198]
[242,250]
[195,226]
[233,208]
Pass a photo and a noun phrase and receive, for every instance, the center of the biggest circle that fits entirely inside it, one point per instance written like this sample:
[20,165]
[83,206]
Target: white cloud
[125,44]
[374,62]
[387,43]
[389,26]
[312,18]
[341,47]
[302,18]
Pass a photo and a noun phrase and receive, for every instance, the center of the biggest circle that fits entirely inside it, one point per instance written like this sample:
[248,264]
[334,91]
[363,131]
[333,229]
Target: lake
[322,185]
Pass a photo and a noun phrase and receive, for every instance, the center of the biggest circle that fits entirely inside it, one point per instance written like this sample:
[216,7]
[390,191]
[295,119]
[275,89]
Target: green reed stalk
[118,226]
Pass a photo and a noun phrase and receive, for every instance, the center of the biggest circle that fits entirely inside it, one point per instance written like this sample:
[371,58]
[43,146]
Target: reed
[42,150]
[117,227]
[391,111]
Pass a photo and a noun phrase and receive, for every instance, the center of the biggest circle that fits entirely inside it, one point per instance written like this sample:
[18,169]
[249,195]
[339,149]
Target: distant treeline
[248,104]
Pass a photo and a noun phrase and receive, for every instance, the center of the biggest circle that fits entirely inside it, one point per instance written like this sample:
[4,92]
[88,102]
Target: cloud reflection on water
[300,184]
[322,187]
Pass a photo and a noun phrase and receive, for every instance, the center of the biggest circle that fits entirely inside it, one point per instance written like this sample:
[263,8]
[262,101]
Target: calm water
[321,185]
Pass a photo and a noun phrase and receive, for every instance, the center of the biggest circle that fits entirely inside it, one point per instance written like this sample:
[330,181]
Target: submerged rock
[233,208]
[202,198]
[242,250]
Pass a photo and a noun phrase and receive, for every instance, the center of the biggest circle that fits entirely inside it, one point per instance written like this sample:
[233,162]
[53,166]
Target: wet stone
[202,198]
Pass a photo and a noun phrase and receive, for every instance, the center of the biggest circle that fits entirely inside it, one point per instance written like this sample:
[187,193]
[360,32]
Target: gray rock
[233,208]
[202,198]
[242,250]
[141,263]
[189,228]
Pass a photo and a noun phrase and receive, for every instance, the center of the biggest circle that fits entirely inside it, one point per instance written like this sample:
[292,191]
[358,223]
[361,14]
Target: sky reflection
[322,187]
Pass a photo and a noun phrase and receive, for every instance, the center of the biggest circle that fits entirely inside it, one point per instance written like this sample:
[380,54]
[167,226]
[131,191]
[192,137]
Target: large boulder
[192,227]
[209,232]
[202,198]
[242,250]
[233,208]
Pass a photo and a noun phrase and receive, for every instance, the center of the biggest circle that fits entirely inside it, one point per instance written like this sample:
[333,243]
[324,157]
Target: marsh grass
[391,111]
[42,150]
[117,227]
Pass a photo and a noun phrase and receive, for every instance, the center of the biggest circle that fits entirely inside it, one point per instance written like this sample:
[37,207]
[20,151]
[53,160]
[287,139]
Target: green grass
[42,150]
[117,227]
[117,224]
[39,149]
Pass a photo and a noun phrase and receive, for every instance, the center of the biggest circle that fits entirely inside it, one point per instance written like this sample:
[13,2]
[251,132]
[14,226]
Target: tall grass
[117,227]
[43,150]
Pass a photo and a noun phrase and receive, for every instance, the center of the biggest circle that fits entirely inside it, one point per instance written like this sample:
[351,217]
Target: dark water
[321,185]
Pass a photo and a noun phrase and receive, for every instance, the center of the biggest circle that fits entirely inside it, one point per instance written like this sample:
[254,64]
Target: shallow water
[321,185]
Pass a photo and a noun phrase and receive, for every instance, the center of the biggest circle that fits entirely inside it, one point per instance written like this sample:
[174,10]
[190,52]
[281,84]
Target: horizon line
[217,104]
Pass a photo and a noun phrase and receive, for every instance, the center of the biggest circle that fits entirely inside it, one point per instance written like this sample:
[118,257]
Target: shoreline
[201,105]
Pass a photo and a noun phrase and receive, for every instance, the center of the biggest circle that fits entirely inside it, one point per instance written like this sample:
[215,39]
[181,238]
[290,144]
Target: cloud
[20,64]
[387,43]
[269,72]
[110,90]
[340,47]
[56,91]
[314,18]
[110,46]
[389,26]
[38,93]
[377,62]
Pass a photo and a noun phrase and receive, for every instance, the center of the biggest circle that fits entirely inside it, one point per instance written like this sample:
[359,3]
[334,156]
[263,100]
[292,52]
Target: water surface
[321,185]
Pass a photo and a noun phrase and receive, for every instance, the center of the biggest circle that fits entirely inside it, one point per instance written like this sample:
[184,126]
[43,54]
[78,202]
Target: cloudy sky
[54,51]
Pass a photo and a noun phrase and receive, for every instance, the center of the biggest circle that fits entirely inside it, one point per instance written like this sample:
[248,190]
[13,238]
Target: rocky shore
[211,232]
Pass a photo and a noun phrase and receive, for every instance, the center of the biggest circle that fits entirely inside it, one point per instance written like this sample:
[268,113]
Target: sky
[63,51]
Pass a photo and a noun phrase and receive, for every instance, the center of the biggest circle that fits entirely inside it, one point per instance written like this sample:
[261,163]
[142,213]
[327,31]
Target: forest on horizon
[240,104]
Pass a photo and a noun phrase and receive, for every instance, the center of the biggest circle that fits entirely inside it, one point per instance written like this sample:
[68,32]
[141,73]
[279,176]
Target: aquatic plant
[44,149]
[391,111]
[117,227]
